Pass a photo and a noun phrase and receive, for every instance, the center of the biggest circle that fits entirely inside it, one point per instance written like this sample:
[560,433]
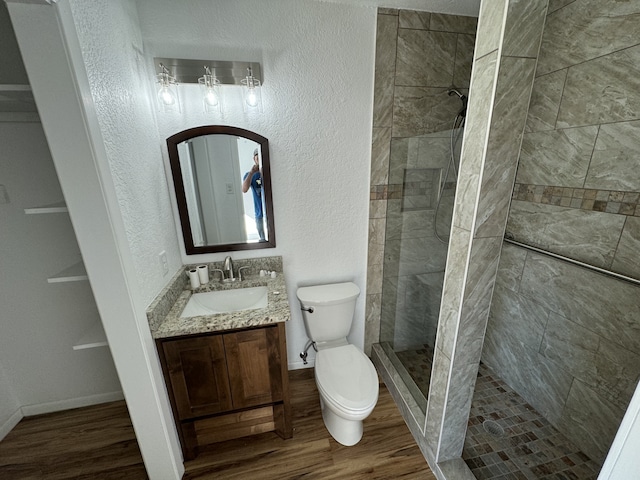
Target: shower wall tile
[545,101]
[422,110]
[627,260]
[480,278]
[386,43]
[414,19]
[417,224]
[506,307]
[562,335]
[564,230]
[377,208]
[537,379]
[402,152]
[616,373]
[421,255]
[474,145]
[600,303]
[490,23]
[458,404]
[372,321]
[452,293]
[433,152]
[383,98]
[603,90]
[415,45]
[557,4]
[464,60]
[513,90]
[453,23]
[557,157]
[525,21]
[587,29]
[589,421]
[511,266]
[438,388]
[374,279]
[375,255]
[614,164]
[380,145]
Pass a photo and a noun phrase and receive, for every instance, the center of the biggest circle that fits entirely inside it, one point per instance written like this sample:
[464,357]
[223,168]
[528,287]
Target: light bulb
[251,98]
[211,98]
[166,96]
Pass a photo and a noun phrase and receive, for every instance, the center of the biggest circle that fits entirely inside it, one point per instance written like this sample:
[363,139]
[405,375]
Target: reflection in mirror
[222,182]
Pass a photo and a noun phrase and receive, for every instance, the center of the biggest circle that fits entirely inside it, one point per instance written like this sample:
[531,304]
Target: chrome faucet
[228,267]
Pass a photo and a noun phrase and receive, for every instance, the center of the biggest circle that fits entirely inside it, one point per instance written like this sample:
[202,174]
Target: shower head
[463,99]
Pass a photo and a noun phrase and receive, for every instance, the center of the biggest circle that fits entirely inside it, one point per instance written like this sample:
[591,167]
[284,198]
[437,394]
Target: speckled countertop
[164,313]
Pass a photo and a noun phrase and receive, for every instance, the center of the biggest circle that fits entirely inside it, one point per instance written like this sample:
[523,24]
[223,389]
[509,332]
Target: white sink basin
[225,301]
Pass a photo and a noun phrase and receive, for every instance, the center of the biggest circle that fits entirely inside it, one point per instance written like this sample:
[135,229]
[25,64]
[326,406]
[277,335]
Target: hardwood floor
[98,443]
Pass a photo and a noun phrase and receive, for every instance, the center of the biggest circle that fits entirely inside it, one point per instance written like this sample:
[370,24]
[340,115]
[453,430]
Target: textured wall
[566,338]
[317,61]
[118,77]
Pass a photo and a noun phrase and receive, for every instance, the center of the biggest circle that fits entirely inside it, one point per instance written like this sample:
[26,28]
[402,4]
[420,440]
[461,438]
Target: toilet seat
[347,379]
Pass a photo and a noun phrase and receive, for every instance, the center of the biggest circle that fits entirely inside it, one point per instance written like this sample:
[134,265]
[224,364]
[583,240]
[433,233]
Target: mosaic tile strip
[609,201]
[385,192]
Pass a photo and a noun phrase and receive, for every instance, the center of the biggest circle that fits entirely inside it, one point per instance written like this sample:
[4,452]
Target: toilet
[346,379]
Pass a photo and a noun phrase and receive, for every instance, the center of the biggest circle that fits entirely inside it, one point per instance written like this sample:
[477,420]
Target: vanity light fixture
[251,92]
[168,98]
[218,76]
[210,87]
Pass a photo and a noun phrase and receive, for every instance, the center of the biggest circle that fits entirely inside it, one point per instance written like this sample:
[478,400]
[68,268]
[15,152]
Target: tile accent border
[609,201]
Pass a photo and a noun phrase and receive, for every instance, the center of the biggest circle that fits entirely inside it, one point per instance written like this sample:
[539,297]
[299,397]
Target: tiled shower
[563,338]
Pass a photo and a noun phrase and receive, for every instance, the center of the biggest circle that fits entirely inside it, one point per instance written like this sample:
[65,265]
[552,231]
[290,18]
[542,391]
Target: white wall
[40,321]
[317,60]
[10,413]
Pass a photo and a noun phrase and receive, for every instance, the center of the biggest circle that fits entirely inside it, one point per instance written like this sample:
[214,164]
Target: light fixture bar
[226,72]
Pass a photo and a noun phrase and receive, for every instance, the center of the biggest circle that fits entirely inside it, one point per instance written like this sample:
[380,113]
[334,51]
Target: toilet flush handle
[305,309]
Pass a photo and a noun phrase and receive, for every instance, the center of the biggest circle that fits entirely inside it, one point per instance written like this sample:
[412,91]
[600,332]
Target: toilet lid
[346,375]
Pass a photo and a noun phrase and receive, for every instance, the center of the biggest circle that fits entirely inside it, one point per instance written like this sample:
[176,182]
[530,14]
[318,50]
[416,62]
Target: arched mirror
[222,182]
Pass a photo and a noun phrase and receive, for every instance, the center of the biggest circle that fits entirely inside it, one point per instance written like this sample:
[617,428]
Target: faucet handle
[240,277]
[221,273]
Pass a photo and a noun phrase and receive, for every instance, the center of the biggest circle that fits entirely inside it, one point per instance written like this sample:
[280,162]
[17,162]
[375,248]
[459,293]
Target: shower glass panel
[422,172]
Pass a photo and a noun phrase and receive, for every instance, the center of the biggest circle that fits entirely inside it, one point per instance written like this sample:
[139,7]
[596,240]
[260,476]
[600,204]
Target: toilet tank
[333,308]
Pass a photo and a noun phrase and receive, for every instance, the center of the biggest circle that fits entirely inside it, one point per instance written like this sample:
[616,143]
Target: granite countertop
[276,311]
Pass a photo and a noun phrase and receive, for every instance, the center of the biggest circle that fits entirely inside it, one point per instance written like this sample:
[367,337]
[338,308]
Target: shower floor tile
[508,439]
[418,365]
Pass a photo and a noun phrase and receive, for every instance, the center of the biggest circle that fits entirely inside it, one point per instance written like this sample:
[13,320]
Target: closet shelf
[58,207]
[93,338]
[75,273]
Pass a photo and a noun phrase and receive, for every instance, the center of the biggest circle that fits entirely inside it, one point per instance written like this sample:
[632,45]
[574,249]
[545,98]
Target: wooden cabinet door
[198,374]
[253,360]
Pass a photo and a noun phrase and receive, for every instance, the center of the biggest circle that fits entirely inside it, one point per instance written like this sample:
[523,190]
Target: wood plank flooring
[98,443]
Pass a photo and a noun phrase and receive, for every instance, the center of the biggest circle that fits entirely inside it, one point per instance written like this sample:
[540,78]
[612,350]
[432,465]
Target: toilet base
[345,432]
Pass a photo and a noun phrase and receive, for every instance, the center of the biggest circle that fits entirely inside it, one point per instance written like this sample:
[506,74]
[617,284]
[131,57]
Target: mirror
[222,183]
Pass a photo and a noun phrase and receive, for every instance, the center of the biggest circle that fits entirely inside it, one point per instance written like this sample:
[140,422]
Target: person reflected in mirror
[253,180]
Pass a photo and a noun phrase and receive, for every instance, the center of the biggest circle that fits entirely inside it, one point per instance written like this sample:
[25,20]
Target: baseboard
[300,364]
[9,425]
[40,408]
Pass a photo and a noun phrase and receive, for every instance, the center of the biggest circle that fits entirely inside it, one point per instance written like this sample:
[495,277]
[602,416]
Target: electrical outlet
[230,189]
[163,262]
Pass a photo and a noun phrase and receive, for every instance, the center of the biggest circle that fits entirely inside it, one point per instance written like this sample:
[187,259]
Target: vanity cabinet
[226,385]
